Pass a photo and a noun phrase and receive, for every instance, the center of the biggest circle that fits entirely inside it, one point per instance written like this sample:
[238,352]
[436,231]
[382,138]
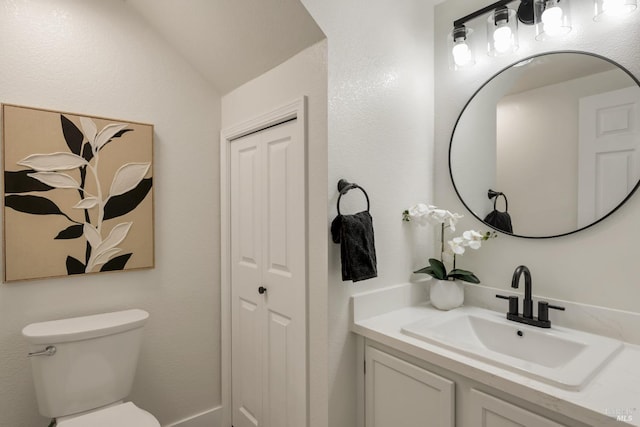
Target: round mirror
[549,146]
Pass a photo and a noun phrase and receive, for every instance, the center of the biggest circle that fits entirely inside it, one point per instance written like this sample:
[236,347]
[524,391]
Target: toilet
[83,369]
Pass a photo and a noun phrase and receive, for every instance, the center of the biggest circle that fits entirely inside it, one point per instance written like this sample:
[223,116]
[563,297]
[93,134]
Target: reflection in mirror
[557,134]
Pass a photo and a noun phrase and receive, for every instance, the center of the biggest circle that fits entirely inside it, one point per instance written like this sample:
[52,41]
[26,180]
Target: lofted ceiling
[231,42]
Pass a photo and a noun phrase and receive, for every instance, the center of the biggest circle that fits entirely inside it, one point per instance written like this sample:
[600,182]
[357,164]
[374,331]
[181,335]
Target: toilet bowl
[83,369]
[120,415]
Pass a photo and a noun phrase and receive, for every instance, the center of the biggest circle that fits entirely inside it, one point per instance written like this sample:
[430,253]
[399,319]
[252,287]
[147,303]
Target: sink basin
[559,356]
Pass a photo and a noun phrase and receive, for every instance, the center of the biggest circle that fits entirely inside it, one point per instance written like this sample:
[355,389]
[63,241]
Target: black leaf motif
[74,266]
[87,152]
[125,203]
[19,182]
[32,205]
[72,232]
[116,263]
[72,135]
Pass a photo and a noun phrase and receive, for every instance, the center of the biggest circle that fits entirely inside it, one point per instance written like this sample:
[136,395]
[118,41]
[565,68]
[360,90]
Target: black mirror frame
[487,82]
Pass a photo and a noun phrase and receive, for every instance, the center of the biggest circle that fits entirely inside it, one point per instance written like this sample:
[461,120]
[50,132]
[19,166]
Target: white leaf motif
[55,179]
[128,177]
[92,235]
[89,129]
[52,162]
[117,235]
[106,248]
[105,256]
[86,203]
[107,133]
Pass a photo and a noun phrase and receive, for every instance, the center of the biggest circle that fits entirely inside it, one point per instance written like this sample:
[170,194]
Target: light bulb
[461,54]
[502,39]
[552,21]
[617,7]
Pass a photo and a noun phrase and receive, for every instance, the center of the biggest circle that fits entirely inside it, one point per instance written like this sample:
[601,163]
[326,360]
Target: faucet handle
[513,303]
[543,310]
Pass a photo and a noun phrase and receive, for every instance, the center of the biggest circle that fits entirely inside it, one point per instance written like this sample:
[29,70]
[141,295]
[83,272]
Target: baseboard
[209,418]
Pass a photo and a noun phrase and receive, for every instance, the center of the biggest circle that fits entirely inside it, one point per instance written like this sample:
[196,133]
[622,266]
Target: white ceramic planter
[446,294]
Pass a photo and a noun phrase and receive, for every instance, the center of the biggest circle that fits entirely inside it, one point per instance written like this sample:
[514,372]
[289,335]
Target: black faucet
[527,304]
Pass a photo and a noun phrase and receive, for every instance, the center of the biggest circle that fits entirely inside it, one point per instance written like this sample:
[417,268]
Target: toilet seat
[122,415]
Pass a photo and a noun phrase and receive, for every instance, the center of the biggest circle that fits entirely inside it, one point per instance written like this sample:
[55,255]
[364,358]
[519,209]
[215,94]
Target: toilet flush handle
[50,350]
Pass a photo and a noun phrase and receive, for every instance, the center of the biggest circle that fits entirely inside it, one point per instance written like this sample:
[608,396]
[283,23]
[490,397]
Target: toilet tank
[94,362]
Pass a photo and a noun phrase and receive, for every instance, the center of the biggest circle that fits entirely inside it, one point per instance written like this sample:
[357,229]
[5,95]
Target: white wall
[304,74]
[97,57]
[595,266]
[380,136]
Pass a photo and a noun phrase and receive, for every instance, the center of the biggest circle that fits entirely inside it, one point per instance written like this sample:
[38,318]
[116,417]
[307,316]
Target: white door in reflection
[609,156]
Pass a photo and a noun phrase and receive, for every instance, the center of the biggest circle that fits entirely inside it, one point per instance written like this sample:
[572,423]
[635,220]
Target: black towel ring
[494,195]
[344,186]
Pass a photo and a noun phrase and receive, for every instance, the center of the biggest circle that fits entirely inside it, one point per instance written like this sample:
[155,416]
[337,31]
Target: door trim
[295,109]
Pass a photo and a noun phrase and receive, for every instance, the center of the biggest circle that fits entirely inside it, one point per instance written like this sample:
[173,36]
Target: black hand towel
[357,246]
[499,220]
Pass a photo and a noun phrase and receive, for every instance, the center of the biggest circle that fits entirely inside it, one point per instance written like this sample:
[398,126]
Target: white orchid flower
[428,214]
[420,213]
[453,219]
[457,245]
[473,239]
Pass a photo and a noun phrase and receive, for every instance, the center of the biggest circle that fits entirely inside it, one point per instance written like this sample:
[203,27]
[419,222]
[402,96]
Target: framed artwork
[78,194]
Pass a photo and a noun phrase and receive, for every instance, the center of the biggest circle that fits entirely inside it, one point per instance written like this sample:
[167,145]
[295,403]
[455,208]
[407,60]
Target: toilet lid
[123,415]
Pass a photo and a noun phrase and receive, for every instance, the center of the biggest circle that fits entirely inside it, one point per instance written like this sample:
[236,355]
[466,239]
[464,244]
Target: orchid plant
[423,214]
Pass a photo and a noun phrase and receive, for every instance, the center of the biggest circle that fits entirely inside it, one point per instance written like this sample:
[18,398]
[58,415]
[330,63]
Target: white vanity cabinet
[489,411]
[401,394]
[402,391]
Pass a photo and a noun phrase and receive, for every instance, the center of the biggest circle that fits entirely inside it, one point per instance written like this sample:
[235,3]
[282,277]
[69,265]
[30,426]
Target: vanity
[425,367]
[546,140]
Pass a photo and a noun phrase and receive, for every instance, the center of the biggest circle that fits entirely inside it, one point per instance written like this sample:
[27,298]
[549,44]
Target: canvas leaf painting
[78,194]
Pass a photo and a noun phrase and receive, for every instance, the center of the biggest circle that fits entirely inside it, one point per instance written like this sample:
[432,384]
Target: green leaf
[464,275]
[439,270]
[424,270]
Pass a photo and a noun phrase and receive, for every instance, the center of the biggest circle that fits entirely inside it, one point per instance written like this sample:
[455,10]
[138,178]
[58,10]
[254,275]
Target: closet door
[268,240]
[246,276]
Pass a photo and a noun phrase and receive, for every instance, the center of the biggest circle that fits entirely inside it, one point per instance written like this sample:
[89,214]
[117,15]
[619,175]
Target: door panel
[278,372]
[246,259]
[609,151]
[248,393]
[248,204]
[269,221]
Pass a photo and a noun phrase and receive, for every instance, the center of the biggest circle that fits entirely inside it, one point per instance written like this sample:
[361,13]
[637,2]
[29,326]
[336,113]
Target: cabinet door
[400,394]
[489,411]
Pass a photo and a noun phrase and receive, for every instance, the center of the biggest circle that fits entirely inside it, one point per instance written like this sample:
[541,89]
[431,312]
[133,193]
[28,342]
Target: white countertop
[615,390]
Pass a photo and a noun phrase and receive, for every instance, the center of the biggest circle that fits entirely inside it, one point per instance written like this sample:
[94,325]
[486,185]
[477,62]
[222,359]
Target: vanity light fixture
[552,18]
[502,31]
[613,8]
[461,52]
